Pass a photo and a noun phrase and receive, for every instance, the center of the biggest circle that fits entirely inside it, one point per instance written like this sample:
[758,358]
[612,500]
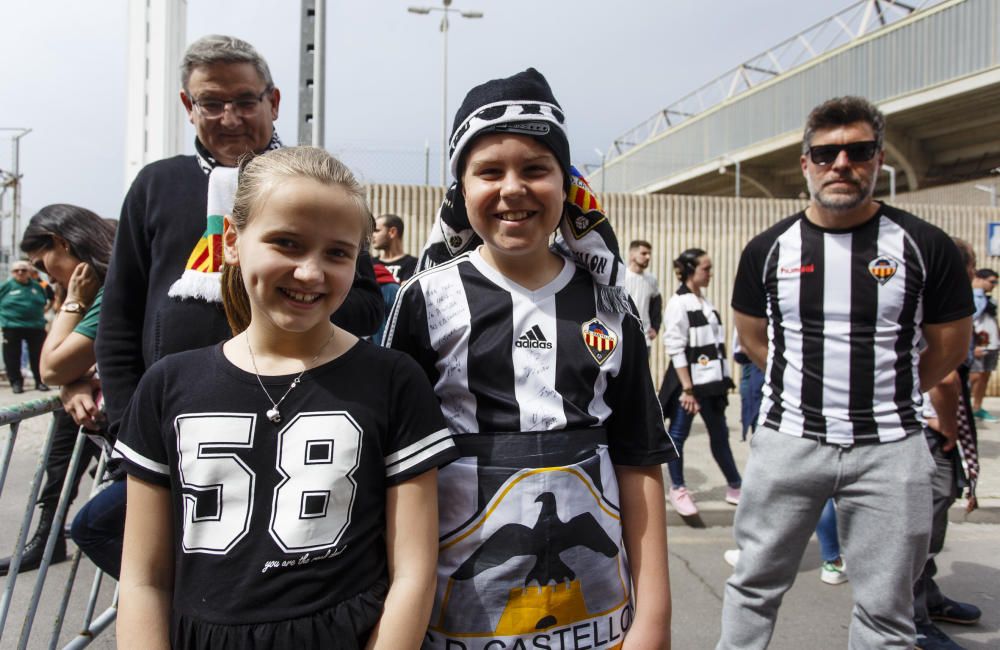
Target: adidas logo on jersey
[533,338]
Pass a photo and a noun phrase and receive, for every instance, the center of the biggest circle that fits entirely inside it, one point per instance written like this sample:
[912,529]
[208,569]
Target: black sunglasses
[857,152]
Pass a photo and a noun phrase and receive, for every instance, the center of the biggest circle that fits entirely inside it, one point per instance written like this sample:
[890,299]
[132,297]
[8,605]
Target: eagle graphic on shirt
[542,556]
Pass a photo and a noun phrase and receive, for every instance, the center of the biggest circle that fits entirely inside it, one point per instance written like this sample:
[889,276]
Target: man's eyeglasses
[19,270]
[242,107]
[857,152]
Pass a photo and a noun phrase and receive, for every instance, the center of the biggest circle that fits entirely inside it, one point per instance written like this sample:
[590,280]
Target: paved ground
[814,615]
[705,480]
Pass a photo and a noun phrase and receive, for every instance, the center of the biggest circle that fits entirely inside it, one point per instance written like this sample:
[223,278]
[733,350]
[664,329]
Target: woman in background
[71,245]
[698,379]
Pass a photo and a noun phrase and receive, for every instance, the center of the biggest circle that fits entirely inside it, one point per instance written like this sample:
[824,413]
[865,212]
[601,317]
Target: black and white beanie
[524,105]
[521,104]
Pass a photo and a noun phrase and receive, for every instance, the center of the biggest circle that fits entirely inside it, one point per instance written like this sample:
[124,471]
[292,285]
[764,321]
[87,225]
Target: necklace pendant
[273,415]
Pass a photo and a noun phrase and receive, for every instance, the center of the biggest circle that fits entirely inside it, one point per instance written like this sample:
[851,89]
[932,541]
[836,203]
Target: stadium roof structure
[932,67]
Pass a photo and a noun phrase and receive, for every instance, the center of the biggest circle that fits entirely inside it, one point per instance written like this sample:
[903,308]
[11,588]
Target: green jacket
[22,305]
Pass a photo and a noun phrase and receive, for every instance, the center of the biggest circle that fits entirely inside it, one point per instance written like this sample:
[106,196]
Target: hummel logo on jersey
[533,338]
[790,270]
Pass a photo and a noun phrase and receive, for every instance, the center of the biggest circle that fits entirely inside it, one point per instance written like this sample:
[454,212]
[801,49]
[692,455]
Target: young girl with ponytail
[273,477]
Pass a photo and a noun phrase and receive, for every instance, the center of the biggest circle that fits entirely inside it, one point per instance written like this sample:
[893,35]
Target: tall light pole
[15,214]
[736,163]
[445,9]
[991,190]
[312,73]
[7,181]
[603,169]
[889,169]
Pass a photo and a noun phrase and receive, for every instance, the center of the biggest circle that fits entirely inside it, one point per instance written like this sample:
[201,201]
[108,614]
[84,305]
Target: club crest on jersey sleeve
[600,340]
[883,268]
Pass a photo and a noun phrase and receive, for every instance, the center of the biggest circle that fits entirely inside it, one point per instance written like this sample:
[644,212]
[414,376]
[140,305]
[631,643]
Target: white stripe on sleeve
[133,456]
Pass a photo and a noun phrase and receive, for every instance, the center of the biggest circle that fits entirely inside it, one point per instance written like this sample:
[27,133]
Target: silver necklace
[273,414]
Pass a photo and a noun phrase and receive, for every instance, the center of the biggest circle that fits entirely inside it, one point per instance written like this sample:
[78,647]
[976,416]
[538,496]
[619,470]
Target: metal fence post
[57,624]
[50,543]
[8,451]
[22,536]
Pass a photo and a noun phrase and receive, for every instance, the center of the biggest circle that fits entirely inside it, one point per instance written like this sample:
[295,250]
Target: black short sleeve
[140,442]
[417,439]
[947,292]
[748,288]
[636,435]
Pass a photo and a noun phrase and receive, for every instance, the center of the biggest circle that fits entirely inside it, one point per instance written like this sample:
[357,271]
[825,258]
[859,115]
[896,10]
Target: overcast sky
[611,65]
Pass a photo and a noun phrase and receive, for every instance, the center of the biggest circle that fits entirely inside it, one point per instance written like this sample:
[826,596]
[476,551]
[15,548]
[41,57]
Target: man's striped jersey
[845,311]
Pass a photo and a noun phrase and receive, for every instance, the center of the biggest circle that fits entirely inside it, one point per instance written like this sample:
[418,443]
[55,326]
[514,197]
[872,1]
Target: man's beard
[839,201]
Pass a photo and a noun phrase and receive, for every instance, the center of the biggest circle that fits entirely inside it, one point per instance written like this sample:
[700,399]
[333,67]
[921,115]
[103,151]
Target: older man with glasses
[162,289]
[162,293]
[22,317]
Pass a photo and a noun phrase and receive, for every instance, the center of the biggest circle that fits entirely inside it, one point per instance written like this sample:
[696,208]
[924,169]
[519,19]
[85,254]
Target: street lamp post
[319,76]
[736,163]
[991,190]
[889,169]
[15,181]
[6,182]
[604,167]
[445,9]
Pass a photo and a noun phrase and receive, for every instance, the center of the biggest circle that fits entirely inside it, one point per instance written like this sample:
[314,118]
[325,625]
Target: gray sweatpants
[883,496]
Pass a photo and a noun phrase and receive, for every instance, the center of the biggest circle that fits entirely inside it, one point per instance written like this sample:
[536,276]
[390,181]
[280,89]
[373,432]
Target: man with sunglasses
[852,306]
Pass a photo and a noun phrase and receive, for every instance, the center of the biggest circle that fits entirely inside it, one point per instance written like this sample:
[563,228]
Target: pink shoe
[682,502]
[733,495]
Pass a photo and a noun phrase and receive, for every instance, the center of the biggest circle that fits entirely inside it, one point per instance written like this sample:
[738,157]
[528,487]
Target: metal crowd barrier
[92,626]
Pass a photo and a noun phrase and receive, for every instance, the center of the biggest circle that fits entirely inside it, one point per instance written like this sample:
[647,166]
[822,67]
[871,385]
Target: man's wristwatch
[688,391]
[73,307]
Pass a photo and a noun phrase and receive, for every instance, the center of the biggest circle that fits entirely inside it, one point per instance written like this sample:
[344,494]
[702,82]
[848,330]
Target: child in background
[282,485]
[553,524]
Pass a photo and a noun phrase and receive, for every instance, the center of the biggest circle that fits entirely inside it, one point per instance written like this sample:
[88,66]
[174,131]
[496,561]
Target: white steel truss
[859,19]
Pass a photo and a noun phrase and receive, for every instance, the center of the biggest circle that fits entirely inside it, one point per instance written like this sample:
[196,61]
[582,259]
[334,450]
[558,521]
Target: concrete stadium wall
[672,223]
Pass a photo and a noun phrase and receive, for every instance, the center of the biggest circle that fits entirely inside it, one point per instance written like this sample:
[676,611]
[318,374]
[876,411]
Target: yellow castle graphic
[535,608]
